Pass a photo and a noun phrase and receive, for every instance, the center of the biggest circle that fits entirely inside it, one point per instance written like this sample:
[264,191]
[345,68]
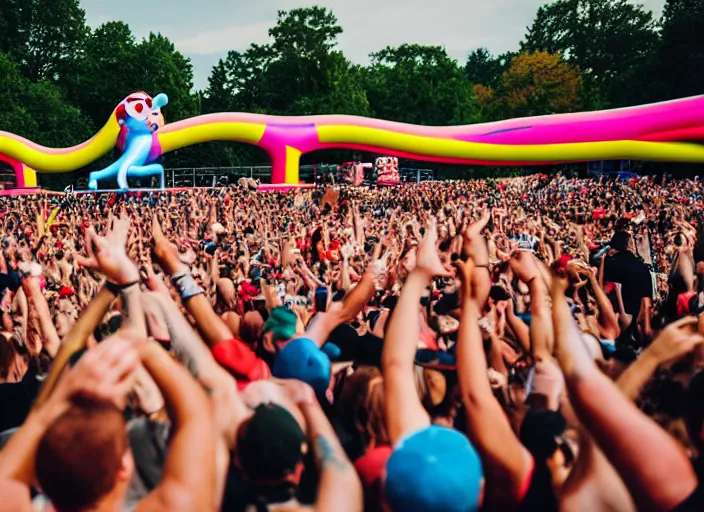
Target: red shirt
[241,361]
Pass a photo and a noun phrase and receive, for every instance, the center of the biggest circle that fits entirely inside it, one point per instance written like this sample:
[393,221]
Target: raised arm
[474,246]
[107,255]
[629,439]
[50,339]
[210,325]
[608,321]
[339,487]
[675,341]
[244,362]
[541,331]
[404,412]
[489,429]
[198,359]
[325,323]
[189,479]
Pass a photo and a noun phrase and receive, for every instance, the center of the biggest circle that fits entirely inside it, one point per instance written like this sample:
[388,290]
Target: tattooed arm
[339,487]
[199,361]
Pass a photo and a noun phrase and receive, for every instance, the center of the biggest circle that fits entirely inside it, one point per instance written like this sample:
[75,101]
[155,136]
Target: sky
[205,30]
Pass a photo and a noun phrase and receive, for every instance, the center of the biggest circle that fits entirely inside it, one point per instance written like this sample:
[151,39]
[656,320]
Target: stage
[36,191]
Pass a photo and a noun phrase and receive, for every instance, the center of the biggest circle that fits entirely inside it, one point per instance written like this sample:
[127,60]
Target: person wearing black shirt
[624,267]
[16,399]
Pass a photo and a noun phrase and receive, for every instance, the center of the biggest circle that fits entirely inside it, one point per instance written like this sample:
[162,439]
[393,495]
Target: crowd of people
[528,344]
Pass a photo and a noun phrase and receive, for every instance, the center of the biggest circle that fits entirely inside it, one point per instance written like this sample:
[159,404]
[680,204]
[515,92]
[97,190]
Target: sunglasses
[146,100]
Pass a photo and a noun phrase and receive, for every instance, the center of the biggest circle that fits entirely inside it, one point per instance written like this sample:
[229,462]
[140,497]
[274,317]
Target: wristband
[115,289]
[187,286]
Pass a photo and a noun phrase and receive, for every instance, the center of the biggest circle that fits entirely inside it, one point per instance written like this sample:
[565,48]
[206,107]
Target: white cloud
[236,37]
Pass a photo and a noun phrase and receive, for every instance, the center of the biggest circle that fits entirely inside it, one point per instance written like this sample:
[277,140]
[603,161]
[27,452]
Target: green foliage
[38,111]
[535,84]
[44,36]
[420,85]
[677,68]
[485,69]
[299,73]
[106,72]
[609,40]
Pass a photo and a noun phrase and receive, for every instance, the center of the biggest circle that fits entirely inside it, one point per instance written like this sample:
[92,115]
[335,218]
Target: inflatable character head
[139,113]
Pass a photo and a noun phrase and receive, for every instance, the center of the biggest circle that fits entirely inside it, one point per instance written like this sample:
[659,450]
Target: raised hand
[676,340]
[476,228]
[107,254]
[428,260]
[105,373]
[524,266]
[465,271]
[299,392]
[165,253]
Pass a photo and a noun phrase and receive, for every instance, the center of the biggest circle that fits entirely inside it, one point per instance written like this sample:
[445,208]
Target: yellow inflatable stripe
[30,177]
[243,132]
[293,158]
[103,142]
[429,146]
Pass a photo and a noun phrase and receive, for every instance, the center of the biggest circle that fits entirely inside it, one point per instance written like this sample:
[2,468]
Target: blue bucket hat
[434,470]
[301,359]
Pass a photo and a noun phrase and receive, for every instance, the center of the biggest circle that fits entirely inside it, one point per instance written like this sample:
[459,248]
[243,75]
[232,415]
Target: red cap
[371,467]
[683,300]
[66,291]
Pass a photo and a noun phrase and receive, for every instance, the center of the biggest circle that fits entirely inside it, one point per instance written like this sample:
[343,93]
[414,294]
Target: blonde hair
[361,405]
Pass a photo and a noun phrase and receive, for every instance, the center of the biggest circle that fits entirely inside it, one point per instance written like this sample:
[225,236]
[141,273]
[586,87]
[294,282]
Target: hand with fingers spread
[107,254]
[675,341]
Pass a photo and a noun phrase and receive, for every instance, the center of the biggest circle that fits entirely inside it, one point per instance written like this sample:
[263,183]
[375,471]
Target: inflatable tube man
[139,117]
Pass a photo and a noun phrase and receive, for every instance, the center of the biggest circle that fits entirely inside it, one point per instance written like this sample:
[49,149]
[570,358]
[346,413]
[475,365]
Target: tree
[420,85]
[107,71]
[303,71]
[38,111]
[483,68]
[677,69]
[162,68]
[298,73]
[13,113]
[536,84]
[44,36]
[607,39]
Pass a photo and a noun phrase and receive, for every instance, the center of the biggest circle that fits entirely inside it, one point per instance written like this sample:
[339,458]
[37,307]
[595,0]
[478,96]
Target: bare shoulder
[15,496]
[173,497]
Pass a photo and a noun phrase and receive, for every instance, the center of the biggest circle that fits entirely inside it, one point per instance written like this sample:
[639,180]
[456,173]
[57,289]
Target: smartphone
[321,299]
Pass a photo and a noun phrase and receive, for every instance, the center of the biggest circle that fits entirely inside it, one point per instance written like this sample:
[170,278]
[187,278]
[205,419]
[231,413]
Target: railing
[217,176]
